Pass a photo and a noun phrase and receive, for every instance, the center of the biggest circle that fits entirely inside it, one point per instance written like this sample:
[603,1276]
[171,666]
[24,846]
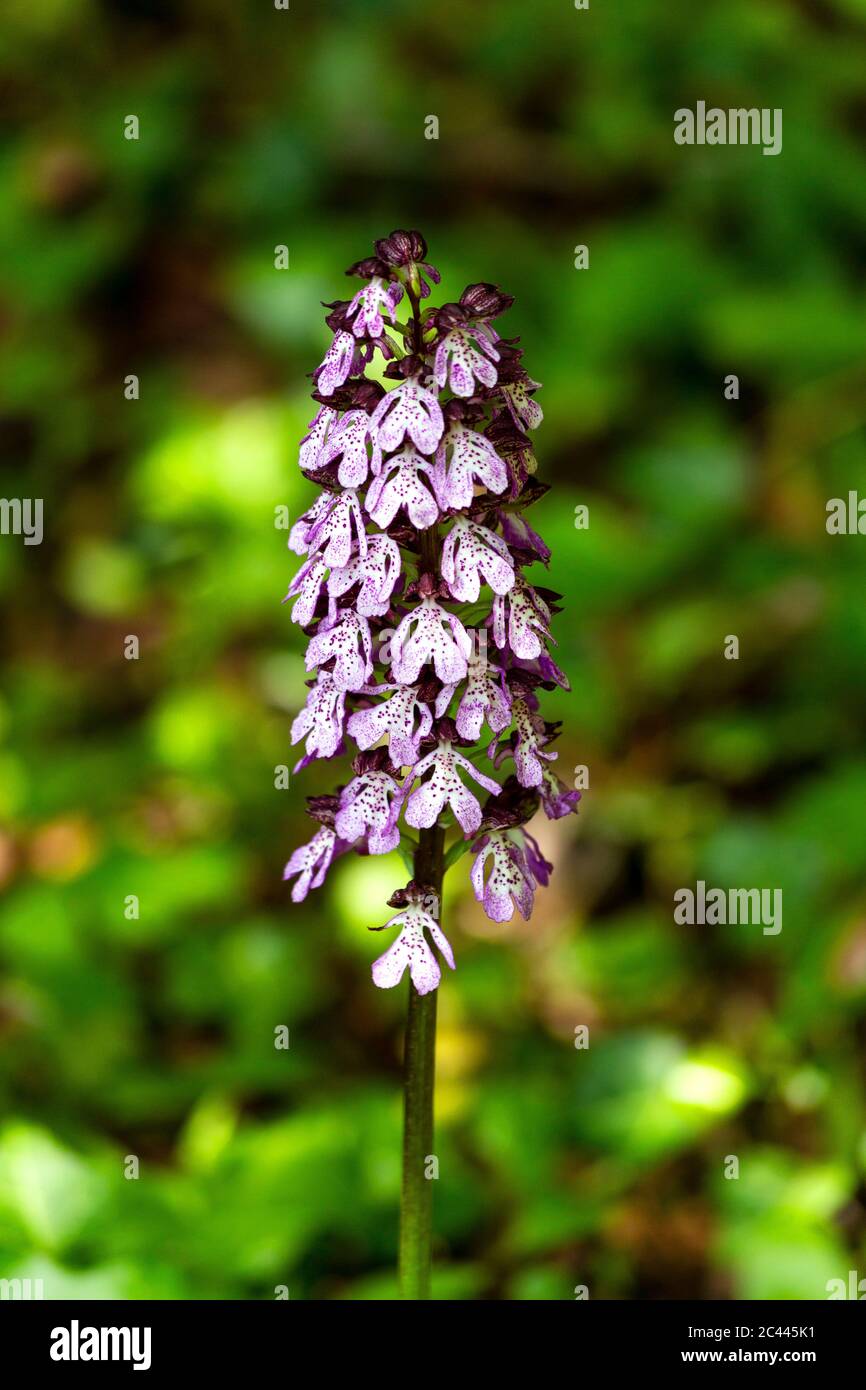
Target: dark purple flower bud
[401,247]
[514,805]
[338,319]
[367,268]
[374,760]
[406,251]
[414,892]
[358,393]
[484,301]
[448,316]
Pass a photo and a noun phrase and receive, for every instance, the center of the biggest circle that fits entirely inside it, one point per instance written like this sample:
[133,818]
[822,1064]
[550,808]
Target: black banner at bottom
[81,1339]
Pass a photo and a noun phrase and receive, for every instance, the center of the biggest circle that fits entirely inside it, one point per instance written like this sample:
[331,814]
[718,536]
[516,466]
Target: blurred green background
[153,1037]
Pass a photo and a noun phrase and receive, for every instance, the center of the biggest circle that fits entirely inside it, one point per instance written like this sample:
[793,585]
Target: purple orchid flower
[348,641]
[367,306]
[430,633]
[557,799]
[322,718]
[522,614]
[365,809]
[444,787]
[509,882]
[396,719]
[348,441]
[464,458]
[485,697]
[340,526]
[410,409]
[411,949]
[526,745]
[377,573]
[472,552]
[311,862]
[524,409]
[311,444]
[459,363]
[337,364]
[443,436]
[399,485]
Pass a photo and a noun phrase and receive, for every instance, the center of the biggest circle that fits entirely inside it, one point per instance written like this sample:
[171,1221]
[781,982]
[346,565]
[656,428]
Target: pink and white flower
[321,720]
[518,618]
[368,303]
[337,529]
[410,409]
[347,639]
[400,485]
[395,718]
[459,363]
[465,458]
[365,809]
[337,364]
[412,950]
[311,863]
[506,881]
[377,572]
[444,787]
[430,633]
[471,553]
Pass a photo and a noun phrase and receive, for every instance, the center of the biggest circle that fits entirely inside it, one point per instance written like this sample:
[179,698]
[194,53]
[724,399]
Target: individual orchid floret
[466,457]
[338,528]
[311,863]
[412,949]
[524,409]
[365,806]
[538,866]
[430,633]
[305,589]
[321,720]
[526,744]
[337,364]
[347,639]
[410,409]
[501,877]
[300,532]
[519,617]
[348,441]
[517,532]
[312,442]
[395,718]
[471,553]
[400,484]
[557,799]
[367,306]
[485,696]
[377,573]
[444,787]
[462,358]
[405,251]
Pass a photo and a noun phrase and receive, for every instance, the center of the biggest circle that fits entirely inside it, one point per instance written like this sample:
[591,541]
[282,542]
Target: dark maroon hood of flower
[427,643]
